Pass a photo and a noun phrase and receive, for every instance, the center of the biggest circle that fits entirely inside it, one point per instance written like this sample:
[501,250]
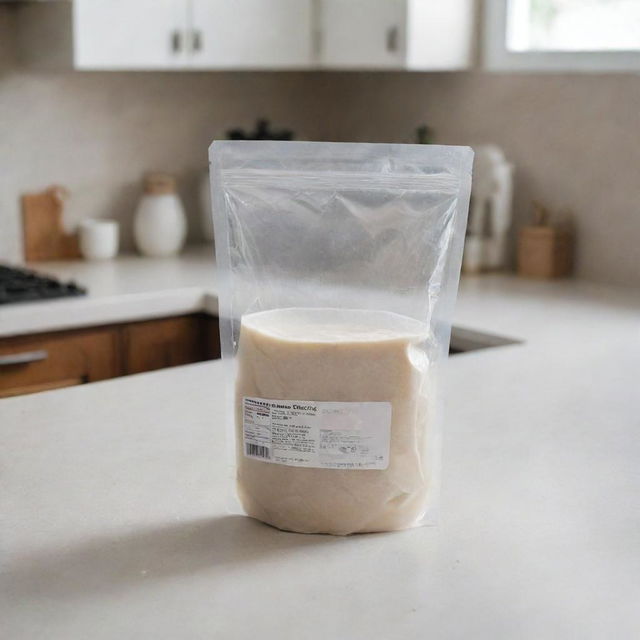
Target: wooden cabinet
[66,358]
[55,360]
[170,342]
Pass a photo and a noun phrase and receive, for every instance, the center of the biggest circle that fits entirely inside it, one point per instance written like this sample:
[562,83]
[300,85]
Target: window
[563,34]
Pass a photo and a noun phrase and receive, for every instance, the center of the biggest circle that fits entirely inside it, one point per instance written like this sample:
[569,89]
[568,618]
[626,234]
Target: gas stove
[23,285]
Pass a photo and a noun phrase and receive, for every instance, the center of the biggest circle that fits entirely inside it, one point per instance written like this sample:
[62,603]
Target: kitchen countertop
[133,287]
[128,288]
[114,521]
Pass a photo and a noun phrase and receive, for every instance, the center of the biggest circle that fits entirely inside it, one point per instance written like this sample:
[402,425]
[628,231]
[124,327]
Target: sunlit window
[573,25]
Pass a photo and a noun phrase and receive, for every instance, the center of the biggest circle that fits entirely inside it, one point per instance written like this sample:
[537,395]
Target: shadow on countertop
[113,562]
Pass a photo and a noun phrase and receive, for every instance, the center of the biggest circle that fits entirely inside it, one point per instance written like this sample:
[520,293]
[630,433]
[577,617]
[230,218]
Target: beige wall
[98,133]
[575,139]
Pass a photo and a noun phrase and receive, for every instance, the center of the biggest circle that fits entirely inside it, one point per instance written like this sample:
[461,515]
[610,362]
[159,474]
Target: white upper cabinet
[247,34]
[360,34]
[236,34]
[129,34]
[396,34]
[192,34]
[440,34]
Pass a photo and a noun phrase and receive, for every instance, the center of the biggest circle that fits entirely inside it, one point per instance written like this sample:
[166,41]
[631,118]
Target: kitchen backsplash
[98,133]
[574,139]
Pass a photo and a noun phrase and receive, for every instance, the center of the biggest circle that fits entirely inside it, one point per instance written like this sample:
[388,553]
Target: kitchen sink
[463,340]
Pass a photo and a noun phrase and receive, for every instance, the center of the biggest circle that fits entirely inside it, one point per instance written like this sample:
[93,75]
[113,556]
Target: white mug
[99,239]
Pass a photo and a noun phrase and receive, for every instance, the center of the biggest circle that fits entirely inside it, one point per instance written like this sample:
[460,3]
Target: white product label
[326,435]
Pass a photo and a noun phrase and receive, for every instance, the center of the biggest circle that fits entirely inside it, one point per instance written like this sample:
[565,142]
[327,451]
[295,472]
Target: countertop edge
[64,315]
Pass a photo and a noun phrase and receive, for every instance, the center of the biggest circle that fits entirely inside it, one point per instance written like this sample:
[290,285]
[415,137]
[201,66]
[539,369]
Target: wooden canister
[545,252]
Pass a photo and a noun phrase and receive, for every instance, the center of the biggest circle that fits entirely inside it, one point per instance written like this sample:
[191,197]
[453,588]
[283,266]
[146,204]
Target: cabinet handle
[176,41]
[23,358]
[392,39]
[196,40]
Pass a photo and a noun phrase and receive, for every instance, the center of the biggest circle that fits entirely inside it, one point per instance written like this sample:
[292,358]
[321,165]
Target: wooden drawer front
[58,360]
[66,358]
[165,343]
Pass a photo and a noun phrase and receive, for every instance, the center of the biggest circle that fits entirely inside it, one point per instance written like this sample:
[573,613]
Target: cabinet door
[129,34]
[362,34]
[440,34]
[169,342]
[250,34]
[51,361]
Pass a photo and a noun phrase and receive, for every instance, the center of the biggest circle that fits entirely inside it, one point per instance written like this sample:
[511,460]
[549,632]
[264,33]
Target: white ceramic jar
[160,223]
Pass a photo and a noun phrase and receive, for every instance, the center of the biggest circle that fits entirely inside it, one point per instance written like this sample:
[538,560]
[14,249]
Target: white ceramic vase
[160,225]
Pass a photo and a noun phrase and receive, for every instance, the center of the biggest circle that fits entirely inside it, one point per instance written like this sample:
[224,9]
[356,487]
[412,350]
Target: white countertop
[114,521]
[125,289]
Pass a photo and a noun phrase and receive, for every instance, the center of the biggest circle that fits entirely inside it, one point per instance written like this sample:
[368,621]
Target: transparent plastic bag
[338,268]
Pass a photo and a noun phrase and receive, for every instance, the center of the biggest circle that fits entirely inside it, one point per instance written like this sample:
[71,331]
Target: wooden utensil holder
[545,252]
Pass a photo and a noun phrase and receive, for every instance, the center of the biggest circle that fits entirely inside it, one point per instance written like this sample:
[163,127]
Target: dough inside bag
[336,355]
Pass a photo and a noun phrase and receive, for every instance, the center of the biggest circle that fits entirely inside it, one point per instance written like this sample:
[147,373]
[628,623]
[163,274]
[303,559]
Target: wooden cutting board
[44,235]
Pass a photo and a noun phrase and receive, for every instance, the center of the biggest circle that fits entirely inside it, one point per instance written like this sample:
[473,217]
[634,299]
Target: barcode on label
[257,451]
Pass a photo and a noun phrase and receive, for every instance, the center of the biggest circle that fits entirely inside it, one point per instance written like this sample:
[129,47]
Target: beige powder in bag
[331,419]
